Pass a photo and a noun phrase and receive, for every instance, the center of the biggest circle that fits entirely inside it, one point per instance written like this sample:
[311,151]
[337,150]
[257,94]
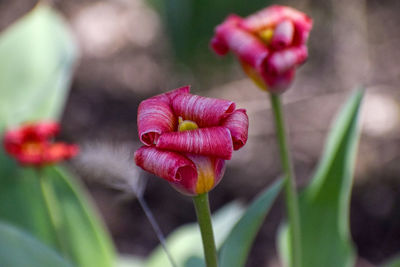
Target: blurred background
[133,49]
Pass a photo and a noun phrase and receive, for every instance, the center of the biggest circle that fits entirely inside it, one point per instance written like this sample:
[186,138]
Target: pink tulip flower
[269,44]
[187,138]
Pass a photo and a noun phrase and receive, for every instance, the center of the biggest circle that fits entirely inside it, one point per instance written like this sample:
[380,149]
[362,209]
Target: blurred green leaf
[88,244]
[395,262]
[185,242]
[37,57]
[19,249]
[129,261]
[190,24]
[21,203]
[236,247]
[324,205]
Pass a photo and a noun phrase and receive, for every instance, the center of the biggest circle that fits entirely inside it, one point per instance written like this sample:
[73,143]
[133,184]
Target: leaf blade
[236,247]
[19,249]
[38,55]
[324,204]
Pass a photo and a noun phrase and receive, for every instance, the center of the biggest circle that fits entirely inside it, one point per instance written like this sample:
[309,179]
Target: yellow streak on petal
[206,176]
[266,35]
[254,76]
[185,125]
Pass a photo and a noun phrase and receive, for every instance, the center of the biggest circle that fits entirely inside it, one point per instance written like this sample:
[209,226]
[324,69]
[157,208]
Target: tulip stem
[292,205]
[202,207]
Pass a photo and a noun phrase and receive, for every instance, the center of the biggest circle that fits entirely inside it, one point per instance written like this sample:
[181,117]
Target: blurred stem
[156,228]
[202,207]
[292,205]
[50,200]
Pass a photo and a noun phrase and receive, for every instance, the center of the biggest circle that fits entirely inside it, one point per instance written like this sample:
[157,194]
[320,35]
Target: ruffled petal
[238,125]
[245,45]
[271,16]
[265,18]
[219,46]
[204,111]
[281,61]
[168,165]
[12,141]
[169,96]
[59,151]
[214,141]
[154,117]
[283,35]
[42,130]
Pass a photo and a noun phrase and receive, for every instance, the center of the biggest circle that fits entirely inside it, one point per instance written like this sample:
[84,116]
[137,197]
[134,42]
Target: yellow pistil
[266,35]
[185,125]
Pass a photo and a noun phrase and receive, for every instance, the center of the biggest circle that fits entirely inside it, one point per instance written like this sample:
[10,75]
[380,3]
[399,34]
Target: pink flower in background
[270,44]
[31,144]
[187,138]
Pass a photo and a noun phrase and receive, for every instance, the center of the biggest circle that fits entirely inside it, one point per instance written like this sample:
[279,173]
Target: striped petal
[283,35]
[202,110]
[154,117]
[168,165]
[245,45]
[281,61]
[238,125]
[214,141]
[169,96]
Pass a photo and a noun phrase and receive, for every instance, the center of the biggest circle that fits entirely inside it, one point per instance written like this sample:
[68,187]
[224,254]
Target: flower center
[185,125]
[266,35]
[32,148]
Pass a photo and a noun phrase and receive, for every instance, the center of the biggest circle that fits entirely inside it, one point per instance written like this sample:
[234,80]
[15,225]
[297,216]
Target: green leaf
[324,205]
[84,239]
[19,249]
[185,242]
[236,247]
[190,25]
[395,262]
[87,242]
[129,261]
[37,57]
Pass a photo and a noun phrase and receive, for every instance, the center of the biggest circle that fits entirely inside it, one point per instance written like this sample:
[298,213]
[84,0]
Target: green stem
[49,200]
[290,183]
[202,207]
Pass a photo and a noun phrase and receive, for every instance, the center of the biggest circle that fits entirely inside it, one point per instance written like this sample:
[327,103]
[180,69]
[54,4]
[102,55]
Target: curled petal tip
[219,46]
[282,61]
[154,117]
[283,35]
[238,125]
[168,165]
